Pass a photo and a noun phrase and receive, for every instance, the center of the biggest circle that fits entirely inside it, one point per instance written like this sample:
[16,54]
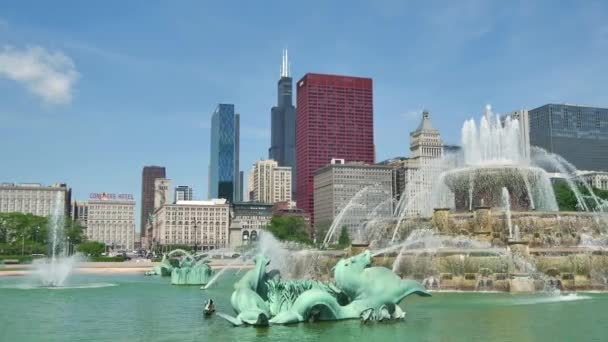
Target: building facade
[224,176]
[34,198]
[365,187]
[283,122]
[201,224]
[334,120]
[270,183]
[149,174]
[414,177]
[577,133]
[80,212]
[111,222]
[248,221]
[162,193]
[596,179]
[183,193]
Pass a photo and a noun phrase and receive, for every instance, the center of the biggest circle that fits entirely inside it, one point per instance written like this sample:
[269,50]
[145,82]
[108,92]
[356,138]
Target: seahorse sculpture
[360,291]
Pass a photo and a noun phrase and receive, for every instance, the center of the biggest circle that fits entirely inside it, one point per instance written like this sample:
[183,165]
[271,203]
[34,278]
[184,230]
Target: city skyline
[112,88]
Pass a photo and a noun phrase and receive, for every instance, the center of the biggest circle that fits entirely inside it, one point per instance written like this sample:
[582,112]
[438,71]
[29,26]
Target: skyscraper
[183,193]
[224,158]
[283,122]
[149,175]
[577,133]
[334,120]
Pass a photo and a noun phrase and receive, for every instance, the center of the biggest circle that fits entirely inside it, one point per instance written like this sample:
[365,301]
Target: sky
[91,91]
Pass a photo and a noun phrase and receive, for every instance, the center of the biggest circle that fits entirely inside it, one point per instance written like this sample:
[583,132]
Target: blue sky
[92,91]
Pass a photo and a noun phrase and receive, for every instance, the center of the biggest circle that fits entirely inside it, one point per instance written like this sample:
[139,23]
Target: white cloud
[48,74]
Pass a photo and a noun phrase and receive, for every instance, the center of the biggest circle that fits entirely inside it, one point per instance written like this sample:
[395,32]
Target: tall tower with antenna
[283,121]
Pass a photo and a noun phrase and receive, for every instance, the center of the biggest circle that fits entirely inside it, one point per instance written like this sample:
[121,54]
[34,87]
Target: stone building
[248,220]
[34,198]
[414,177]
[596,179]
[363,187]
[111,221]
[201,224]
[271,183]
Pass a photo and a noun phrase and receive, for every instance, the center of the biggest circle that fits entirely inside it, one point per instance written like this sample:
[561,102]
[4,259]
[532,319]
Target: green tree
[344,239]
[74,231]
[289,228]
[91,248]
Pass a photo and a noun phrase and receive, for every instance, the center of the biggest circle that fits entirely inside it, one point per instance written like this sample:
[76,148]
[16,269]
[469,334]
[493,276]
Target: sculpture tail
[233,320]
[412,287]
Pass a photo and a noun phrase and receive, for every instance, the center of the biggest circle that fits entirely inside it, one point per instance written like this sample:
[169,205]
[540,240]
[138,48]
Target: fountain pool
[142,308]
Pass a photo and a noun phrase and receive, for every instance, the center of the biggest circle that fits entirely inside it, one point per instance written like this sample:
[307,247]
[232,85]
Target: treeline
[26,234]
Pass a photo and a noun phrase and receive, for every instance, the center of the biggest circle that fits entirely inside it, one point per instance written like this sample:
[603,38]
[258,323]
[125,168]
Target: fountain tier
[474,186]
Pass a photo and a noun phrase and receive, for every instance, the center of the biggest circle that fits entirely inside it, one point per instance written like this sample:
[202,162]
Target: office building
[523,118]
[577,133]
[334,120]
[183,193]
[224,175]
[149,174]
[271,183]
[339,182]
[283,122]
[200,224]
[34,198]
[111,220]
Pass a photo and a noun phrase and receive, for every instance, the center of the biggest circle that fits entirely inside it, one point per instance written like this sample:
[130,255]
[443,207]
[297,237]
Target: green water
[138,308]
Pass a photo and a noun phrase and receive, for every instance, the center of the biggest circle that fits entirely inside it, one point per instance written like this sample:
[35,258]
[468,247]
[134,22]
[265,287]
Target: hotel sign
[104,196]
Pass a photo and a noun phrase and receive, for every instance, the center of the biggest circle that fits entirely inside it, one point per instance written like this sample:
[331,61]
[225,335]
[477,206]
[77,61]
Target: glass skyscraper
[224,158]
[577,133]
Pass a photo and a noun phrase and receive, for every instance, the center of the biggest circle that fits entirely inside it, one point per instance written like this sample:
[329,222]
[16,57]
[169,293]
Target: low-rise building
[201,224]
[289,209]
[34,198]
[248,220]
[596,179]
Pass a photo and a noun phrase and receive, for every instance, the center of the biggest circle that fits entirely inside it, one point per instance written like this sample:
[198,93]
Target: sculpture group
[191,269]
[359,291]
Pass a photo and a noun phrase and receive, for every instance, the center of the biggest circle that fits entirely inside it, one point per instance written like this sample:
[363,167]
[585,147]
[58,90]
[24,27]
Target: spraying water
[506,205]
[55,270]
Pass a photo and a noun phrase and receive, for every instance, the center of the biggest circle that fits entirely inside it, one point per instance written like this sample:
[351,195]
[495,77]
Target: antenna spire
[285,67]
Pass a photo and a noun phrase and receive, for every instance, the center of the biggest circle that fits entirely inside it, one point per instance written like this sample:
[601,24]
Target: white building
[183,193]
[414,177]
[162,192]
[111,221]
[270,183]
[34,198]
[203,224]
[596,179]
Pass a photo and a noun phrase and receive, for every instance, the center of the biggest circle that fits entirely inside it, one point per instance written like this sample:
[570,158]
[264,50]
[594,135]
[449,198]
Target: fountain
[54,270]
[493,159]
[360,291]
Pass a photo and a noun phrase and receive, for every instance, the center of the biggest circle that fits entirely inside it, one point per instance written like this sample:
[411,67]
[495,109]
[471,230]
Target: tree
[289,228]
[344,239]
[91,248]
[74,231]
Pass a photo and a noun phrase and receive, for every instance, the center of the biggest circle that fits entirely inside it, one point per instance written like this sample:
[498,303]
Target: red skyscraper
[335,119]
